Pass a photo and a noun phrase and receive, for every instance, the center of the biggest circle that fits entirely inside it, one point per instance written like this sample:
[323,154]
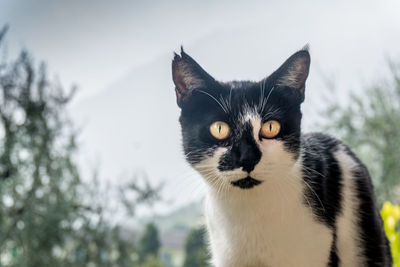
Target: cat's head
[240,133]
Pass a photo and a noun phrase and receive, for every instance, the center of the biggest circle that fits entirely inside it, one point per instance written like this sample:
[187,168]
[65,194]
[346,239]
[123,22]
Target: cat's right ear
[292,75]
[188,75]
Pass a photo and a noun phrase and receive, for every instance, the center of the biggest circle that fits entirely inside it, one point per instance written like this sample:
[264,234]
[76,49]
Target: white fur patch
[347,224]
[249,115]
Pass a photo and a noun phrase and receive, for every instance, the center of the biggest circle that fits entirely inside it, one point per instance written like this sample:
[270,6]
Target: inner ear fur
[294,72]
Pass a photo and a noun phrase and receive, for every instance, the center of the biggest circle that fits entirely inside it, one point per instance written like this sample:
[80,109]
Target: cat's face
[237,134]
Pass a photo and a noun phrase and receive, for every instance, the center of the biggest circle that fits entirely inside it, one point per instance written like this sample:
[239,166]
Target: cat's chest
[272,227]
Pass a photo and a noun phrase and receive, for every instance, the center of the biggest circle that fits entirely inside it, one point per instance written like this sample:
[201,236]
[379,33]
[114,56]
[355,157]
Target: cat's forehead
[242,93]
[248,100]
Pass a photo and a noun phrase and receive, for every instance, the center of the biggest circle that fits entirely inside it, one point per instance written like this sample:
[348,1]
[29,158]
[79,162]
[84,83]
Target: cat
[275,196]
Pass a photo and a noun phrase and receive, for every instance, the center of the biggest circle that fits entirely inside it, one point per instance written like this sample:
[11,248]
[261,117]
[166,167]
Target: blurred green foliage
[196,251]
[369,124]
[151,261]
[149,244]
[391,218]
[49,216]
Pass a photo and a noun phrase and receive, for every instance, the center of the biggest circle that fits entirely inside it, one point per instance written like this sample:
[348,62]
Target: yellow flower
[396,213]
[391,216]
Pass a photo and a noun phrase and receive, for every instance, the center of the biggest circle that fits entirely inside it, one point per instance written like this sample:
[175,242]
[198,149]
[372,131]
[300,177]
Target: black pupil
[219,127]
[270,127]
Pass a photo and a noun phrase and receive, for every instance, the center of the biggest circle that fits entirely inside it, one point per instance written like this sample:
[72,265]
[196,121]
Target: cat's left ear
[293,73]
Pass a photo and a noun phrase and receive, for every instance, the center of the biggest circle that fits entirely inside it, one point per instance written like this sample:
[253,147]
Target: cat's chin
[246,183]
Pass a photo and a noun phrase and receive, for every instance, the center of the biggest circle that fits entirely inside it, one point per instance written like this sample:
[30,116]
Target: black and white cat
[276,197]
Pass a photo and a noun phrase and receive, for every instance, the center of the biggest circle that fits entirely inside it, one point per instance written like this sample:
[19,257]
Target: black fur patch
[322,175]
[202,110]
[333,257]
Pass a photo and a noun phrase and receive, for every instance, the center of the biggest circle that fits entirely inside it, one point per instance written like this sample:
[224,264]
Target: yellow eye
[270,129]
[220,130]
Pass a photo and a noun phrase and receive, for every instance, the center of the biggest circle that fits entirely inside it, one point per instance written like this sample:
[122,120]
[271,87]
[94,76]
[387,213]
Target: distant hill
[186,217]
[175,225]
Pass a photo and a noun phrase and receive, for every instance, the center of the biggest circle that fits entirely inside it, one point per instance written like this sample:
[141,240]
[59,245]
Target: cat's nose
[250,155]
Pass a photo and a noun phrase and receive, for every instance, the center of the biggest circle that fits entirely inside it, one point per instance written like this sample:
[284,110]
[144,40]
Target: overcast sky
[94,42]
[119,53]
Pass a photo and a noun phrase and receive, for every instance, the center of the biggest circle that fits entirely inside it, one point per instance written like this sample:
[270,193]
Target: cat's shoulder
[317,145]
[321,141]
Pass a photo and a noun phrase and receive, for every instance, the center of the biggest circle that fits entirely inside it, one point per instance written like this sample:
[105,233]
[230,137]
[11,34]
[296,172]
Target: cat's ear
[188,75]
[293,73]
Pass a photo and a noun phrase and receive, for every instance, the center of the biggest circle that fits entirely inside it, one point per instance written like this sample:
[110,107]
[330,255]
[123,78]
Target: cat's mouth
[246,183]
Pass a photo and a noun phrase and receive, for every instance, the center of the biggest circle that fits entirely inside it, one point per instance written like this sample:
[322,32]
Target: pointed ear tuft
[187,75]
[294,72]
[306,47]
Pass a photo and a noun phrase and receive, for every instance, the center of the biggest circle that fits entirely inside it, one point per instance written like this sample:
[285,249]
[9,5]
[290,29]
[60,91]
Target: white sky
[95,42]
[111,47]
